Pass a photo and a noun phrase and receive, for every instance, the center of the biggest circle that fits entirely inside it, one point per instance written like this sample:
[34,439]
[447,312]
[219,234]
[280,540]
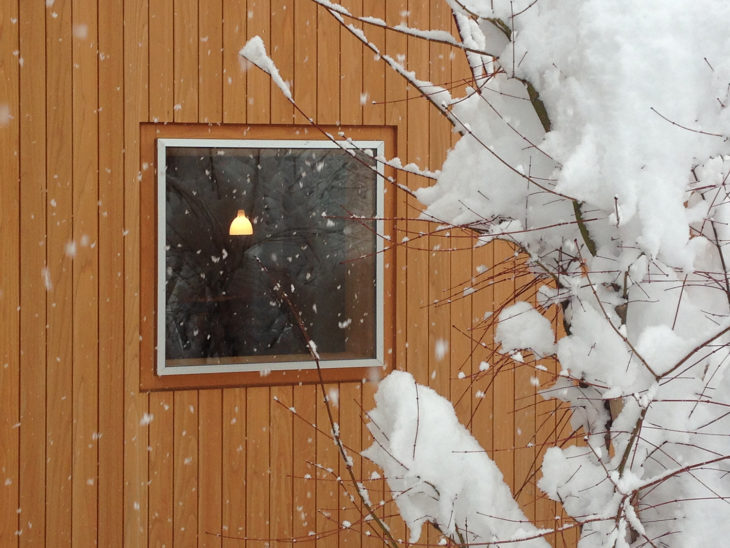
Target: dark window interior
[313,213]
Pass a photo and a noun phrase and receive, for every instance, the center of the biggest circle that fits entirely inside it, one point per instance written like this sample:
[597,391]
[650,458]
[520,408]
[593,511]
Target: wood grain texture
[439,242]
[59,308]
[503,367]
[136,405]
[185,469]
[210,420]
[482,358]
[282,52]
[185,60]
[111,277]
[304,488]
[234,76]
[282,461]
[9,277]
[210,467]
[460,342]
[85,274]
[210,62]
[305,60]
[258,467]
[396,114]
[233,527]
[32,261]
[160,421]
[161,469]
[420,346]
[328,68]
[258,90]
[327,470]
[350,428]
[351,73]
[161,61]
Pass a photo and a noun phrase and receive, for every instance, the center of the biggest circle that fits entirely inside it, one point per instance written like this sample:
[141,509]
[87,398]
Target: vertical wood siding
[85,457]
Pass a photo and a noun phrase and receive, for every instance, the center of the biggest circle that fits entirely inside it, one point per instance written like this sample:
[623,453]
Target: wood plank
[439,312]
[9,275]
[546,435]
[85,273]
[462,270]
[32,423]
[524,452]
[233,528]
[525,401]
[504,369]
[234,77]
[439,261]
[350,396]
[373,83]
[185,469]
[372,476]
[305,58]
[210,62]
[161,64]
[210,473]
[419,345]
[351,522]
[482,388]
[59,309]
[396,114]
[258,470]
[328,68]
[258,90]
[351,69]
[136,405]
[282,52]
[460,349]
[161,466]
[111,283]
[210,429]
[281,459]
[185,60]
[327,460]
[161,404]
[304,488]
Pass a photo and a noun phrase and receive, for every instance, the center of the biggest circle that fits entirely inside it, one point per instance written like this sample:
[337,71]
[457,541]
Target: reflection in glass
[313,213]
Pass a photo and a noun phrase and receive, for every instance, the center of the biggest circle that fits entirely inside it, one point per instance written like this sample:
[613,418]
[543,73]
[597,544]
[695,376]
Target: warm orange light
[241,226]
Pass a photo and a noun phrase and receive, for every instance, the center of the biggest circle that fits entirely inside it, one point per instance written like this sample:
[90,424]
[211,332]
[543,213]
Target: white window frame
[264,367]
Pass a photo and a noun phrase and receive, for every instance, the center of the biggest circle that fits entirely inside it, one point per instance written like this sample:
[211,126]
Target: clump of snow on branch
[437,470]
[255,52]
[522,327]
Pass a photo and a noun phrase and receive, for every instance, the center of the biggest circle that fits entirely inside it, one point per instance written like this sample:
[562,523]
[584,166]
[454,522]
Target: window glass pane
[313,213]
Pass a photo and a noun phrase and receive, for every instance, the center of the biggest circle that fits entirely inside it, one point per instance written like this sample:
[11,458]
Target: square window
[229,302]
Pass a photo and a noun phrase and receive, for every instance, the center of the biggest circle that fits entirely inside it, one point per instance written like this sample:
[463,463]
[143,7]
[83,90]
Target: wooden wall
[85,457]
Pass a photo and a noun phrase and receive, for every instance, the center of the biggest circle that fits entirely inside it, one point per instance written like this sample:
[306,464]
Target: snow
[522,327]
[437,470]
[255,52]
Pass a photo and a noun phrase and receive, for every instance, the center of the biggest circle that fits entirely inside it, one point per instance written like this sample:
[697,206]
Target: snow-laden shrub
[613,182]
[595,137]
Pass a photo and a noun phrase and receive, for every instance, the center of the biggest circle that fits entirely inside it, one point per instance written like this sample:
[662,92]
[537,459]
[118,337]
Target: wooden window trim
[149,133]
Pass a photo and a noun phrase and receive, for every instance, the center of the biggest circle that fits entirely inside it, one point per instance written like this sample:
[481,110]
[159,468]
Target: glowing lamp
[241,226]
